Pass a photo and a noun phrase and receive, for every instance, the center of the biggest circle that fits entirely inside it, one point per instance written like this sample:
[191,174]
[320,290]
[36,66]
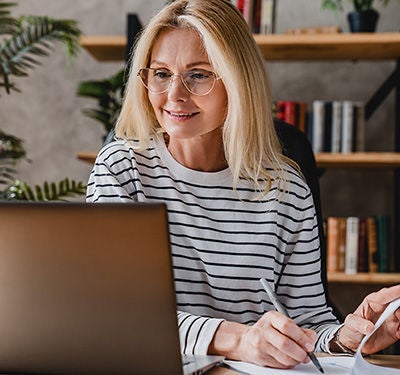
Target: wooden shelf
[343,46]
[105,48]
[358,160]
[282,47]
[325,160]
[364,278]
[88,157]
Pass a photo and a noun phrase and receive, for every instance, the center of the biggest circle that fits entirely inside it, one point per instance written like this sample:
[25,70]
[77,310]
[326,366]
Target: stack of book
[359,245]
[259,14]
[331,126]
[337,126]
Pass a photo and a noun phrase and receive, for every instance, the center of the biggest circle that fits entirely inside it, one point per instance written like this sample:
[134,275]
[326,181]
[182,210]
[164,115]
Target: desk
[376,359]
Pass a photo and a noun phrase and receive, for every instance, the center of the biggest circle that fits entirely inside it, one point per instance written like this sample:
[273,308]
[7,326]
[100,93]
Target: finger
[358,324]
[385,295]
[311,334]
[299,342]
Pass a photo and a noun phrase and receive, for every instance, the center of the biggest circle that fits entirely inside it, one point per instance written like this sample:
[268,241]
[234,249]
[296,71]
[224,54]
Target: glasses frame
[139,74]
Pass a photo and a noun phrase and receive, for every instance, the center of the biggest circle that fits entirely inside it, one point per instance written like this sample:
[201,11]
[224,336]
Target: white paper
[361,366]
[333,365]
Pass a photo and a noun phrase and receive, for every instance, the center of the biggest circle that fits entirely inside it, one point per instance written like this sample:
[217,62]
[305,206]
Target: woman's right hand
[274,341]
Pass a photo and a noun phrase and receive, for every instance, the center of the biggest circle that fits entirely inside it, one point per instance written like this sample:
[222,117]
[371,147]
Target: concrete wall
[47,114]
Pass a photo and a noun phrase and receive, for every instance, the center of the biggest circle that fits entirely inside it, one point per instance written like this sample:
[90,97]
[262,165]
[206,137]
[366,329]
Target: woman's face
[180,113]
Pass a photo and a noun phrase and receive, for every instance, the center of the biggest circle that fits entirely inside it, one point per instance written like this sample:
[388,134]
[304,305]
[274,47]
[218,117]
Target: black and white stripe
[223,241]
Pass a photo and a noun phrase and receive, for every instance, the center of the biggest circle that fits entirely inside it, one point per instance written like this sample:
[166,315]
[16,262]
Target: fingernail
[309,347]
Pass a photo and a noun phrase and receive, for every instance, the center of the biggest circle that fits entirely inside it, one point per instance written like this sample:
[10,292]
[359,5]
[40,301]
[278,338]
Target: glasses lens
[199,82]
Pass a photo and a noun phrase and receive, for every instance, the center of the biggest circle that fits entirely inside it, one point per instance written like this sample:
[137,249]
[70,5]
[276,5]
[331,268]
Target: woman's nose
[177,90]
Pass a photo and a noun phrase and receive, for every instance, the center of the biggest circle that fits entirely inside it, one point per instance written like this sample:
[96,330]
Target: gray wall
[47,114]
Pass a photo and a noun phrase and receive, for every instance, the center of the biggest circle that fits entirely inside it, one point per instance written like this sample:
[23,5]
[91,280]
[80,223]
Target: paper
[331,365]
[361,366]
[335,365]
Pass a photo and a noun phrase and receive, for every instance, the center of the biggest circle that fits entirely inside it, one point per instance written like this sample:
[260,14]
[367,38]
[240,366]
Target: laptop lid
[87,288]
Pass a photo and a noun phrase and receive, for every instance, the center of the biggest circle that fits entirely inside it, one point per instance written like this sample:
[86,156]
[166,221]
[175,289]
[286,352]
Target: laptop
[88,289]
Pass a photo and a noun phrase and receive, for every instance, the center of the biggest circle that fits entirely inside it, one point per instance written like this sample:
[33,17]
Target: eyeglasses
[198,81]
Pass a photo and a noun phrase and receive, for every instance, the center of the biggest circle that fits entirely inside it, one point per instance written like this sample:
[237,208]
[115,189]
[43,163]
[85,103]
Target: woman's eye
[199,75]
[160,74]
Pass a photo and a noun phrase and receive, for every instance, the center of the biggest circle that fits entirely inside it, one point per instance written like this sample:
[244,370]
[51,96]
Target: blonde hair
[249,137]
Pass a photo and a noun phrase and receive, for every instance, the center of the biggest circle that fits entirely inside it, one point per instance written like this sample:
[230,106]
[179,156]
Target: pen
[280,308]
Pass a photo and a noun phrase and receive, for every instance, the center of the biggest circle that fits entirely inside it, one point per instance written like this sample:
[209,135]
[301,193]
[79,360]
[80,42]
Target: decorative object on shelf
[364,18]
[22,41]
[108,93]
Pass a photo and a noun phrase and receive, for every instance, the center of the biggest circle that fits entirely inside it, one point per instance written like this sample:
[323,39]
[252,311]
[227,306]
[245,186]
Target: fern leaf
[48,192]
[35,36]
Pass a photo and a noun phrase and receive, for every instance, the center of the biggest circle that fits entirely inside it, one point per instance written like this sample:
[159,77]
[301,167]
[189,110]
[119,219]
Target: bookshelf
[321,47]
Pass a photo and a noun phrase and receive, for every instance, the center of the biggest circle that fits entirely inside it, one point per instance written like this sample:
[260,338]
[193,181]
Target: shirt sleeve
[196,332]
[110,177]
[300,286]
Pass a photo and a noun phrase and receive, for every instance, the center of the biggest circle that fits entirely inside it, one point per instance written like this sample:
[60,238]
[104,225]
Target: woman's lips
[181,116]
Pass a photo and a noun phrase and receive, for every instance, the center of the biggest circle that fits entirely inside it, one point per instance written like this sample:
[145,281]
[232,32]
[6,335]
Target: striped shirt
[224,240]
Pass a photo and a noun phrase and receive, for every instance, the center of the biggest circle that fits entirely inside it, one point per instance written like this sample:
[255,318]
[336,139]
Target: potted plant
[363,18]
[22,41]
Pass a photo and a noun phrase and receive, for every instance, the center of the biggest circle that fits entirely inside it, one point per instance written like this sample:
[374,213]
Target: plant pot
[363,22]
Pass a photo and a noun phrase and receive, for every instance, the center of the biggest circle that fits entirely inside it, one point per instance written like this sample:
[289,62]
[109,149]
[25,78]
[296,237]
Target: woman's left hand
[362,321]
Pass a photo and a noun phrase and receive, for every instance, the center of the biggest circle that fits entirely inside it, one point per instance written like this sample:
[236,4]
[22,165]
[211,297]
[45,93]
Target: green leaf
[34,36]
[47,192]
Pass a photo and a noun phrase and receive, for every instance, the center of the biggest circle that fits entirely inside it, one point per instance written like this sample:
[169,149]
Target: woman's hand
[362,321]
[274,341]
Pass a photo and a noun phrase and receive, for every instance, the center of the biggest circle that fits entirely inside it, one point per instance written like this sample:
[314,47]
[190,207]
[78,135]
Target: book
[267,24]
[318,126]
[332,244]
[362,258]
[256,17]
[382,225]
[347,127]
[372,245]
[360,125]
[327,147]
[248,11]
[341,243]
[301,115]
[336,126]
[290,112]
[351,259]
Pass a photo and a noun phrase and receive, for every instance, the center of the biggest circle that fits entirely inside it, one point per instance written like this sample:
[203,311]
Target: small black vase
[363,22]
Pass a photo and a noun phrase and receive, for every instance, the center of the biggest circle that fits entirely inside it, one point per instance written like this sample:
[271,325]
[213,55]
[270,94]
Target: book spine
[336,125]
[332,244]
[248,11]
[302,117]
[360,123]
[351,245]
[327,127]
[347,127]
[318,126]
[342,244]
[267,17]
[256,19]
[382,222]
[362,247]
[372,245]
[290,113]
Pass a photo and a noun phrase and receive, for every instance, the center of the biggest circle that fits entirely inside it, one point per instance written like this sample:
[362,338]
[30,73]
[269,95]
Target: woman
[196,132]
